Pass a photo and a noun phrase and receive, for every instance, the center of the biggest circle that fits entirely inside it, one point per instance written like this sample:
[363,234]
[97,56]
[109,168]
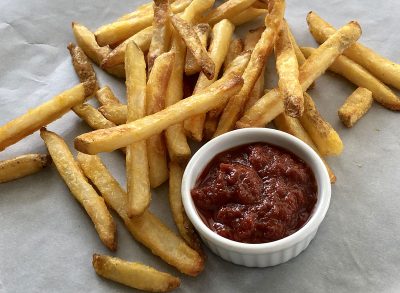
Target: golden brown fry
[82,65]
[203,31]
[222,33]
[83,192]
[355,106]
[34,119]
[116,137]
[247,15]
[116,113]
[235,48]
[260,4]
[321,132]
[92,116]
[384,69]
[193,43]
[185,227]
[147,228]
[362,78]
[257,61]
[227,10]
[22,166]
[106,96]
[137,165]
[133,274]
[288,72]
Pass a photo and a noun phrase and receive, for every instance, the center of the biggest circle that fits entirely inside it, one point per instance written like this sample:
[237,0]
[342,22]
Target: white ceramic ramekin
[264,254]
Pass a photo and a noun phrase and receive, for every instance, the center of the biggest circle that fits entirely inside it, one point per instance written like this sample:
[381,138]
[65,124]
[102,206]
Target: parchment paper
[47,240]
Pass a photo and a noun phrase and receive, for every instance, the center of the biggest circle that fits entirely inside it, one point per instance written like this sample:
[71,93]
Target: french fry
[362,78]
[321,132]
[133,274]
[146,228]
[355,106]
[92,116]
[22,166]
[222,33]
[195,9]
[257,61]
[34,119]
[235,48]
[83,192]
[156,89]
[252,37]
[384,69]
[247,15]
[227,10]
[116,113]
[161,32]
[116,137]
[288,72]
[260,4]
[137,165]
[82,65]
[193,43]
[203,31]
[106,96]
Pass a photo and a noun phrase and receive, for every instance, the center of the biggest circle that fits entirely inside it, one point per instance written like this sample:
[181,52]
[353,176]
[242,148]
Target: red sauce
[255,193]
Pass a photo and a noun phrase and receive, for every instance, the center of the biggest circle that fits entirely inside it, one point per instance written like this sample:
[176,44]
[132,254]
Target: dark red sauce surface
[255,193]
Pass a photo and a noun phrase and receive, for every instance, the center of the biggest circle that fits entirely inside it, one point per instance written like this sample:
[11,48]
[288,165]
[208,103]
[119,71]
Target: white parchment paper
[47,240]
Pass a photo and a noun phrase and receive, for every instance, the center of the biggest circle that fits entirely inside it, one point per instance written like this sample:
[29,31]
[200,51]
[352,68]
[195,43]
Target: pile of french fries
[155,48]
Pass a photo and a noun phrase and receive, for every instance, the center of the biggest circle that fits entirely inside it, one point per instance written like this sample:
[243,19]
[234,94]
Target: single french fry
[355,106]
[82,65]
[384,69]
[203,31]
[247,15]
[34,119]
[83,192]
[156,89]
[361,77]
[105,140]
[227,10]
[288,72]
[260,4]
[193,43]
[106,96]
[116,113]
[92,116]
[196,8]
[133,274]
[22,166]
[146,228]
[222,33]
[161,32]
[235,48]
[137,165]
[257,61]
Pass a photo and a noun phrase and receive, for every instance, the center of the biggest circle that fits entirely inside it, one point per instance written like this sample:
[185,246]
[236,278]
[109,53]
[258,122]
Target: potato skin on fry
[355,106]
[82,65]
[203,31]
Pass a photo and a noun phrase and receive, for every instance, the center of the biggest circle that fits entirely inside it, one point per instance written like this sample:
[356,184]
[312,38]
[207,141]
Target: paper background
[46,239]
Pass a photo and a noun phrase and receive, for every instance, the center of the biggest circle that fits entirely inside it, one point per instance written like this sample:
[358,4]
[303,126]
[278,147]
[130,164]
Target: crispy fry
[288,72]
[193,43]
[34,119]
[257,61]
[137,165]
[133,274]
[161,32]
[147,228]
[156,90]
[92,116]
[23,166]
[203,31]
[185,227]
[82,65]
[235,48]
[83,192]
[384,69]
[116,113]
[321,132]
[119,136]
[222,33]
[355,106]
[247,15]
[362,78]
[227,10]
[106,96]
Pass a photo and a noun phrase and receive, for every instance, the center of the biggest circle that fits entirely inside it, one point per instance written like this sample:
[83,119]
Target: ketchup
[255,193]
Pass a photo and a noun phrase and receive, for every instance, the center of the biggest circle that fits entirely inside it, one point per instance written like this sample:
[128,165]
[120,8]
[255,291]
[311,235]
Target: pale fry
[362,78]
[185,227]
[82,65]
[146,228]
[257,61]
[106,96]
[247,15]
[92,116]
[116,137]
[193,43]
[133,274]
[137,166]
[22,166]
[203,31]
[355,106]
[34,119]
[235,48]
[321,132]
[227,10]
[384,69]
[196,9]
[288,72]
[83,192]
[222,33]
[156,89]
[116,113]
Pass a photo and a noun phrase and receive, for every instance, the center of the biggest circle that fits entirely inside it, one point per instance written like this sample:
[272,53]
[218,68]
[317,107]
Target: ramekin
[264,254]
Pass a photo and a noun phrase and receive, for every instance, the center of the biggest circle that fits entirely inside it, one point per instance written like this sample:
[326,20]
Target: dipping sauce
[255,193]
